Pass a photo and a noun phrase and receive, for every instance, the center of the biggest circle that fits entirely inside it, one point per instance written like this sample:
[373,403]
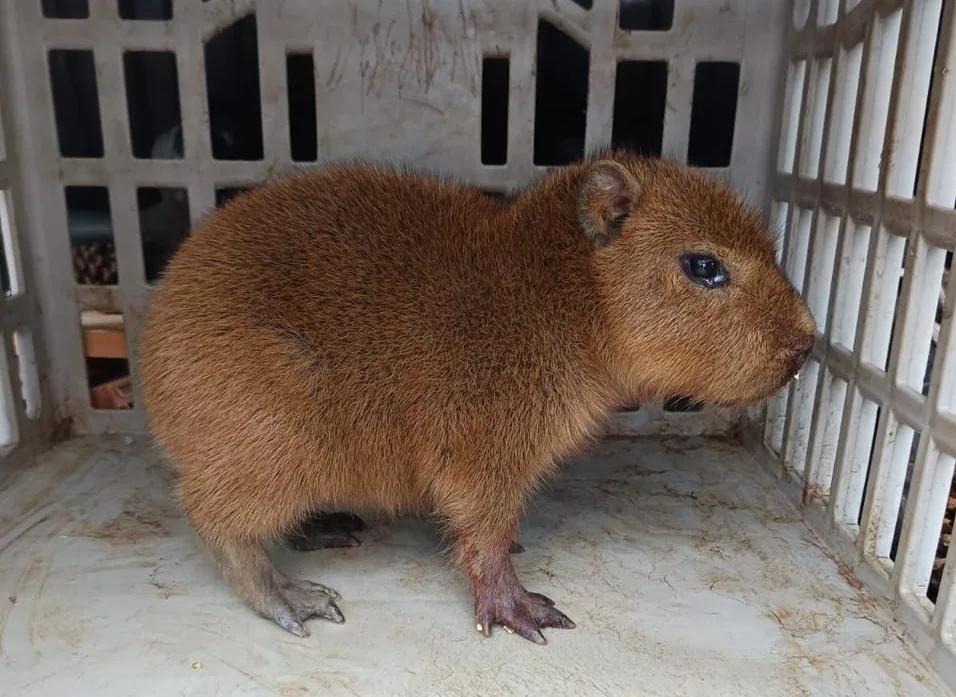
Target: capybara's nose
[800,351]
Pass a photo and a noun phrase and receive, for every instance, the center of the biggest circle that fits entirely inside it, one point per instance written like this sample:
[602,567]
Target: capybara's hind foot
[295,601]
[288,602]
[325,531]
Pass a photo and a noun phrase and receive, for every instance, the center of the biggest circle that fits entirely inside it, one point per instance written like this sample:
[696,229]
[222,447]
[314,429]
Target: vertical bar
[680,97]
[9,420]
[926,504]
[822,266]
[846,96]
[800,248]
[39,209]
[887,492]
[882,302]
[795,262]
[917,68]
[829,414]
[760,95]
[273,87]
[944,617]
[803,407]
[602,18]
[846,304]
[938,187]
[816,113]
[521,100]
[791,115]
[127,239]
[916,337]
[879,100]
[11,245]
[855,458]
[197,142]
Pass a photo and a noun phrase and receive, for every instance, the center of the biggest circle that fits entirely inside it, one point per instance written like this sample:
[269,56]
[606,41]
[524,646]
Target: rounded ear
[607,196]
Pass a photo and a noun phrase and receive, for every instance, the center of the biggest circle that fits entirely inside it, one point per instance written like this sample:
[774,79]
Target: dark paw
[515,547]
[522,613]
[325,531]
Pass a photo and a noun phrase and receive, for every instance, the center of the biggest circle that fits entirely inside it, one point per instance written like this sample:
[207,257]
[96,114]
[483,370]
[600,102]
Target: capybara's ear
[607,196]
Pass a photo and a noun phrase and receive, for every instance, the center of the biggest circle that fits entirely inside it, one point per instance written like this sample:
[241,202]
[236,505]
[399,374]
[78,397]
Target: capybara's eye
[705,271]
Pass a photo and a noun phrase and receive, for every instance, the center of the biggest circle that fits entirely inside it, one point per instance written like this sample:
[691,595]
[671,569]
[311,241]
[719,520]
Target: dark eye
[705,271]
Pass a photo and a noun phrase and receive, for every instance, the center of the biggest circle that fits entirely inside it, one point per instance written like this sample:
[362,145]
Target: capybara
[365,337]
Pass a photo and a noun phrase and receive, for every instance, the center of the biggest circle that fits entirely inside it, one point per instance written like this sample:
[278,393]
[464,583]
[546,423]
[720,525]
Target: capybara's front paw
[519,612]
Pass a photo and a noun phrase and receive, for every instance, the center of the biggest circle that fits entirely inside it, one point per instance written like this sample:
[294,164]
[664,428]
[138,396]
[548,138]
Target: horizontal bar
[937,225]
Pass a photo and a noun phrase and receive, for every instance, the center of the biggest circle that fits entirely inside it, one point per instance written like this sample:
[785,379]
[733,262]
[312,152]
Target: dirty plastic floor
[686,572]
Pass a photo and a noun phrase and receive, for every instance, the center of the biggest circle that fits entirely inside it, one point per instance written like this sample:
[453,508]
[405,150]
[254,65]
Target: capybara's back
[363,337]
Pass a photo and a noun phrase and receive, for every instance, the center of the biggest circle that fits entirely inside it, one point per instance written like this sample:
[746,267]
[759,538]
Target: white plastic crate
[839,121]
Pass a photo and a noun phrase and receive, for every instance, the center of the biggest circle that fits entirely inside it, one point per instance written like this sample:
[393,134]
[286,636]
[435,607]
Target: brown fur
[365,338]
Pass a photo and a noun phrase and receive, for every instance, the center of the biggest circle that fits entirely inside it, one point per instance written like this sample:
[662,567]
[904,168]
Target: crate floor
[686,572]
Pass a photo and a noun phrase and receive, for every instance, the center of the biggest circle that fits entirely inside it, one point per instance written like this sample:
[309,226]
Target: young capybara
[359,337]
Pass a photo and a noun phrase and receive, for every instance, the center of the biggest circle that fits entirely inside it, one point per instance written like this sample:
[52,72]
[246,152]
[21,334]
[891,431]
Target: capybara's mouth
[745,402]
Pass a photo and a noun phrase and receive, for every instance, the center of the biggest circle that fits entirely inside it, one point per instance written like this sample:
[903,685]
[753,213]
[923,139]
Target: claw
[542,598]
[331,612]
[297,601]
[534,635]
[525,614]
[288,623]
[325,590]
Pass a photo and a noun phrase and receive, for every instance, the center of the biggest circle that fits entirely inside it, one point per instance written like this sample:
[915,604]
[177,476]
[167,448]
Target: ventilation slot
[713,114]
[640,97]
[494,110]
[646,15]
[303,133]
[561,96]
[232,88]
[76,105]
[164,224]
[152,96]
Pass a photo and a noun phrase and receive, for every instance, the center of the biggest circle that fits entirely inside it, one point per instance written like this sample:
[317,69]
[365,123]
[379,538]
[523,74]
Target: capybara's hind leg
[288,602]
[324,530]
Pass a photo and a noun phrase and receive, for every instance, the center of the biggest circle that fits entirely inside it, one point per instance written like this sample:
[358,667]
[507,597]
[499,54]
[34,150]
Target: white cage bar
[869,238]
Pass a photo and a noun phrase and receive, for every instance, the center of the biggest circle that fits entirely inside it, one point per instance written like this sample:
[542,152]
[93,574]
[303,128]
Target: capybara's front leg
[500,599]
[483,545]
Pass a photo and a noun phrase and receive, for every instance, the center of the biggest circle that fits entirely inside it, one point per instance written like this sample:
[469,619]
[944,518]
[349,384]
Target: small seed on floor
[508,629]
[479,627]
[197,665]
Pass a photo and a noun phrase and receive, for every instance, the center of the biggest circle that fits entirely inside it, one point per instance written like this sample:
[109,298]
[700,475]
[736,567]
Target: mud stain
[133,525]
